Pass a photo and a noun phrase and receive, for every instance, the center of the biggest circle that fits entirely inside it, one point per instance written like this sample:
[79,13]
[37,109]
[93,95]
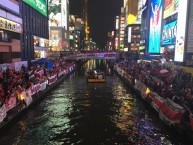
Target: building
[10,31]
[35,29]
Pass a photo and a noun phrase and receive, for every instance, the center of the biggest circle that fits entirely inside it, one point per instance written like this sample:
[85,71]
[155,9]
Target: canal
[77,113]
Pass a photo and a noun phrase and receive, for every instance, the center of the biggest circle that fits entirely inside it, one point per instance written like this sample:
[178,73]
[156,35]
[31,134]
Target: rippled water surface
[89,114]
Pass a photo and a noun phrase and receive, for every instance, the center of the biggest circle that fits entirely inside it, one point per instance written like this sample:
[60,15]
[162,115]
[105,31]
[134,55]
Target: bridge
[94,55]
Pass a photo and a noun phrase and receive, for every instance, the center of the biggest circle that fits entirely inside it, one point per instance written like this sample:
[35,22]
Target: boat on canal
[95,76]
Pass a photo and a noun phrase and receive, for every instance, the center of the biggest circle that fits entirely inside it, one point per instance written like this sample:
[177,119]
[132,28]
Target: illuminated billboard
[181,31]
[170,8]
[169,33]
[64,13]
[155,26]
[39,5]
[58,13]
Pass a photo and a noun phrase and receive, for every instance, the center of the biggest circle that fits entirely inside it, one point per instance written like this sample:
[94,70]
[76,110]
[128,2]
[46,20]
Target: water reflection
[89,114]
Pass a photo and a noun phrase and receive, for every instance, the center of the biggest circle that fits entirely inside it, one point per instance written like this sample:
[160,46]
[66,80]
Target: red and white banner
[170,112]
[157,101]
[41,73]
[61,73]
[43,86]
[35,89]
[129,78]
[3,112]
[52,79]
[138,85]
[10,103]
[27,97]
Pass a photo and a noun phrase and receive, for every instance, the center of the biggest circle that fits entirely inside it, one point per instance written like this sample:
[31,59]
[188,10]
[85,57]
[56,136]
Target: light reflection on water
[89,114]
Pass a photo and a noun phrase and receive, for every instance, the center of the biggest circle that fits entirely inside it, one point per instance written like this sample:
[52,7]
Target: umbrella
[163,71]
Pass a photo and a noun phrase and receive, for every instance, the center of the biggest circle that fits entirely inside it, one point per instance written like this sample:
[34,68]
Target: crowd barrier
[25,96]
[169,112]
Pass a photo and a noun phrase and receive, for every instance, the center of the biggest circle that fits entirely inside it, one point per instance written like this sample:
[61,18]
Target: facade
[59,25]
[121,29]
[35,27]
[10,31]
[116,41]
[132,28]
[76,32]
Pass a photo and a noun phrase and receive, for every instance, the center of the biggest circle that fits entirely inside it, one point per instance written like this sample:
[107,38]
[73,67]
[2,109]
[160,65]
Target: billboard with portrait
[181,31]
[169,33]
[155,26]
[170,8]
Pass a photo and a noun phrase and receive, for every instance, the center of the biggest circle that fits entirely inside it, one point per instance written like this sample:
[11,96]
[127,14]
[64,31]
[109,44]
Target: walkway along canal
[90,114]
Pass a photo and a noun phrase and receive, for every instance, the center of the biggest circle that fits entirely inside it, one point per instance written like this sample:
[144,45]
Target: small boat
[95,76]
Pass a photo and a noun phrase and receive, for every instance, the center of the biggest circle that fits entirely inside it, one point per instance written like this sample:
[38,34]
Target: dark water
[78,113]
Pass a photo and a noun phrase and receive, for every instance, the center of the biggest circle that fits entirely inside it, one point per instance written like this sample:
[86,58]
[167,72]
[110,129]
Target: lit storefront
[41,47]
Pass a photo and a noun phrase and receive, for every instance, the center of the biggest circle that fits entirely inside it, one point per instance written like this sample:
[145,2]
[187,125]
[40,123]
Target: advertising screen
[181,31]
[169,33]
[170,7]
[39,5]
[155,26]
[55,15]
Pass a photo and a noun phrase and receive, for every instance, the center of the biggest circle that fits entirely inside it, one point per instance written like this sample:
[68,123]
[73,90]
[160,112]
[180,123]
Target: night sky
[101,15]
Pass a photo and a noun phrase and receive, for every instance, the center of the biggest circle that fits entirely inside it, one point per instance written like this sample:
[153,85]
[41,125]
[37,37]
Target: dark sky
[101,15]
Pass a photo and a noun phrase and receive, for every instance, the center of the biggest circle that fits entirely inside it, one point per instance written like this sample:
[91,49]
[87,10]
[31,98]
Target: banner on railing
[129,78]
[60,73]
[27,97]
[138,85]
[35,89]
[170,112]
[41,73]
[3,113]
[157,101]
[43,86]
[52,79]
[10,103]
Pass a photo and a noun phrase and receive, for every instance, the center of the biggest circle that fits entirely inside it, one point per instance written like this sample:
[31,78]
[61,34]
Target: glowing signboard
[181,31]
[10,25]
[170,7]
[39,5]
[169,33]
[155,26]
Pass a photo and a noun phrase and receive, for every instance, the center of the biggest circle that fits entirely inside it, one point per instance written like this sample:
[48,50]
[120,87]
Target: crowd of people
[167,81]
[11,81]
